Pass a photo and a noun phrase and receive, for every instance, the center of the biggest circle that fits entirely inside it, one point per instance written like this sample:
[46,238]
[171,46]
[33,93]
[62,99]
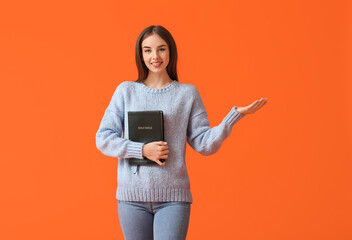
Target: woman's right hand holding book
[156,151]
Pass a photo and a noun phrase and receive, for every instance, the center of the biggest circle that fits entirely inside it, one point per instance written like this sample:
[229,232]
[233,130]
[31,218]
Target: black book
[145,127]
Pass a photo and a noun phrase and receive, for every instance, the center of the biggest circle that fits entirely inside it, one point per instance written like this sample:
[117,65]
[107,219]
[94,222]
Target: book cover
[145,127]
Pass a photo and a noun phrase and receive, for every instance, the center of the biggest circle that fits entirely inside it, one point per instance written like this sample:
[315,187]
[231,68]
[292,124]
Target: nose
[155,55]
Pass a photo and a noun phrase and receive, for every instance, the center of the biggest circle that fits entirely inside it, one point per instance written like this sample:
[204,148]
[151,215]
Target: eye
[147,50]
[163,49]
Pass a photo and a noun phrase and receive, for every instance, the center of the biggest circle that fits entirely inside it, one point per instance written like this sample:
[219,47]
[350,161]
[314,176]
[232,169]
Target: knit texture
[185,120]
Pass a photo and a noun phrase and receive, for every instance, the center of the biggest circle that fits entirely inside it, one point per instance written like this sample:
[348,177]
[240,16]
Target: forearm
[207,140]
[110,144]
[109,141]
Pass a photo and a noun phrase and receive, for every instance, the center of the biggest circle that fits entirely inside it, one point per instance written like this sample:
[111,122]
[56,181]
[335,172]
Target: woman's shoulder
[188,87]
[125,85]
[190,90]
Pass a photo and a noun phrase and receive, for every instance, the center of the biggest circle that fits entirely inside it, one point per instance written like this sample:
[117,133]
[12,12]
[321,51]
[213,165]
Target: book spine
[162,125]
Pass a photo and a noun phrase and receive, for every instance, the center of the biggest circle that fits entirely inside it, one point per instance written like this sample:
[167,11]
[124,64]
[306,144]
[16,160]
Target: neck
[157,80]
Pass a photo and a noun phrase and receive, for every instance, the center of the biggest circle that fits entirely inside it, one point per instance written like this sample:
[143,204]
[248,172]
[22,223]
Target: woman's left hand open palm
[252,108]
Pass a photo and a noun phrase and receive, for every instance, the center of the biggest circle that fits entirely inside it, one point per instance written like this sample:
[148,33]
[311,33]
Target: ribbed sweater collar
[157,90]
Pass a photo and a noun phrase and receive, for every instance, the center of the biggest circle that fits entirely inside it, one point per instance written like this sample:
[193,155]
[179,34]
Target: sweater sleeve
[108,137]
[200,136]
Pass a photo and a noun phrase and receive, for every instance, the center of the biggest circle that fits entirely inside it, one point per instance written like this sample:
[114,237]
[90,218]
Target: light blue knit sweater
[185,120]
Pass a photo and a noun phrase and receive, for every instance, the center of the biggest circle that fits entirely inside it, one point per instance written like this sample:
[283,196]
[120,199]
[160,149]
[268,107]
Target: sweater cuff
[135,150]
[233,116]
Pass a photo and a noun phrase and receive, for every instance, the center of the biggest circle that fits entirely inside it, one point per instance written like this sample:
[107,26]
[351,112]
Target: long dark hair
[167,37]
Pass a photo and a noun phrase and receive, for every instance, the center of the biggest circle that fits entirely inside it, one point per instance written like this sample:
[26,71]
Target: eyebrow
[158,46]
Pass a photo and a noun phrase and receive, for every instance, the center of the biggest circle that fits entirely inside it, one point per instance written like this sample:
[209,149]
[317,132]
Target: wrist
[239,109]
[143,150]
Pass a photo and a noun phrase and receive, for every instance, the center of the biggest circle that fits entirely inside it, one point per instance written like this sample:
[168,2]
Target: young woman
[154,200]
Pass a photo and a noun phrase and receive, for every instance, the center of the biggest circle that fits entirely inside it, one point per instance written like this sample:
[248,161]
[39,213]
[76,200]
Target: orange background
[283,173]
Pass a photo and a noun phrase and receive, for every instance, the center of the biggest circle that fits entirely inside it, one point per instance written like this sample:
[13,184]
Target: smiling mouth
[156,64]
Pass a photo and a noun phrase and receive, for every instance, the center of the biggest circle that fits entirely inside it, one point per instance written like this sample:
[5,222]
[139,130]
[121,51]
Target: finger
[162,155]
[261,103]
[261,99]
[254,109]
[159,163]
[165,152]
[162,148]
[253,106]
[264,100]
[259,106]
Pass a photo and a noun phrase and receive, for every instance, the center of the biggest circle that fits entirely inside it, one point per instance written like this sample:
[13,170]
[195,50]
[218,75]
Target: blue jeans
[154,220]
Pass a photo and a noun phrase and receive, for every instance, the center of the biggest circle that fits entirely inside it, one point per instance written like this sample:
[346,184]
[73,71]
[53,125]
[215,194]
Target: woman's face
[155,53]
